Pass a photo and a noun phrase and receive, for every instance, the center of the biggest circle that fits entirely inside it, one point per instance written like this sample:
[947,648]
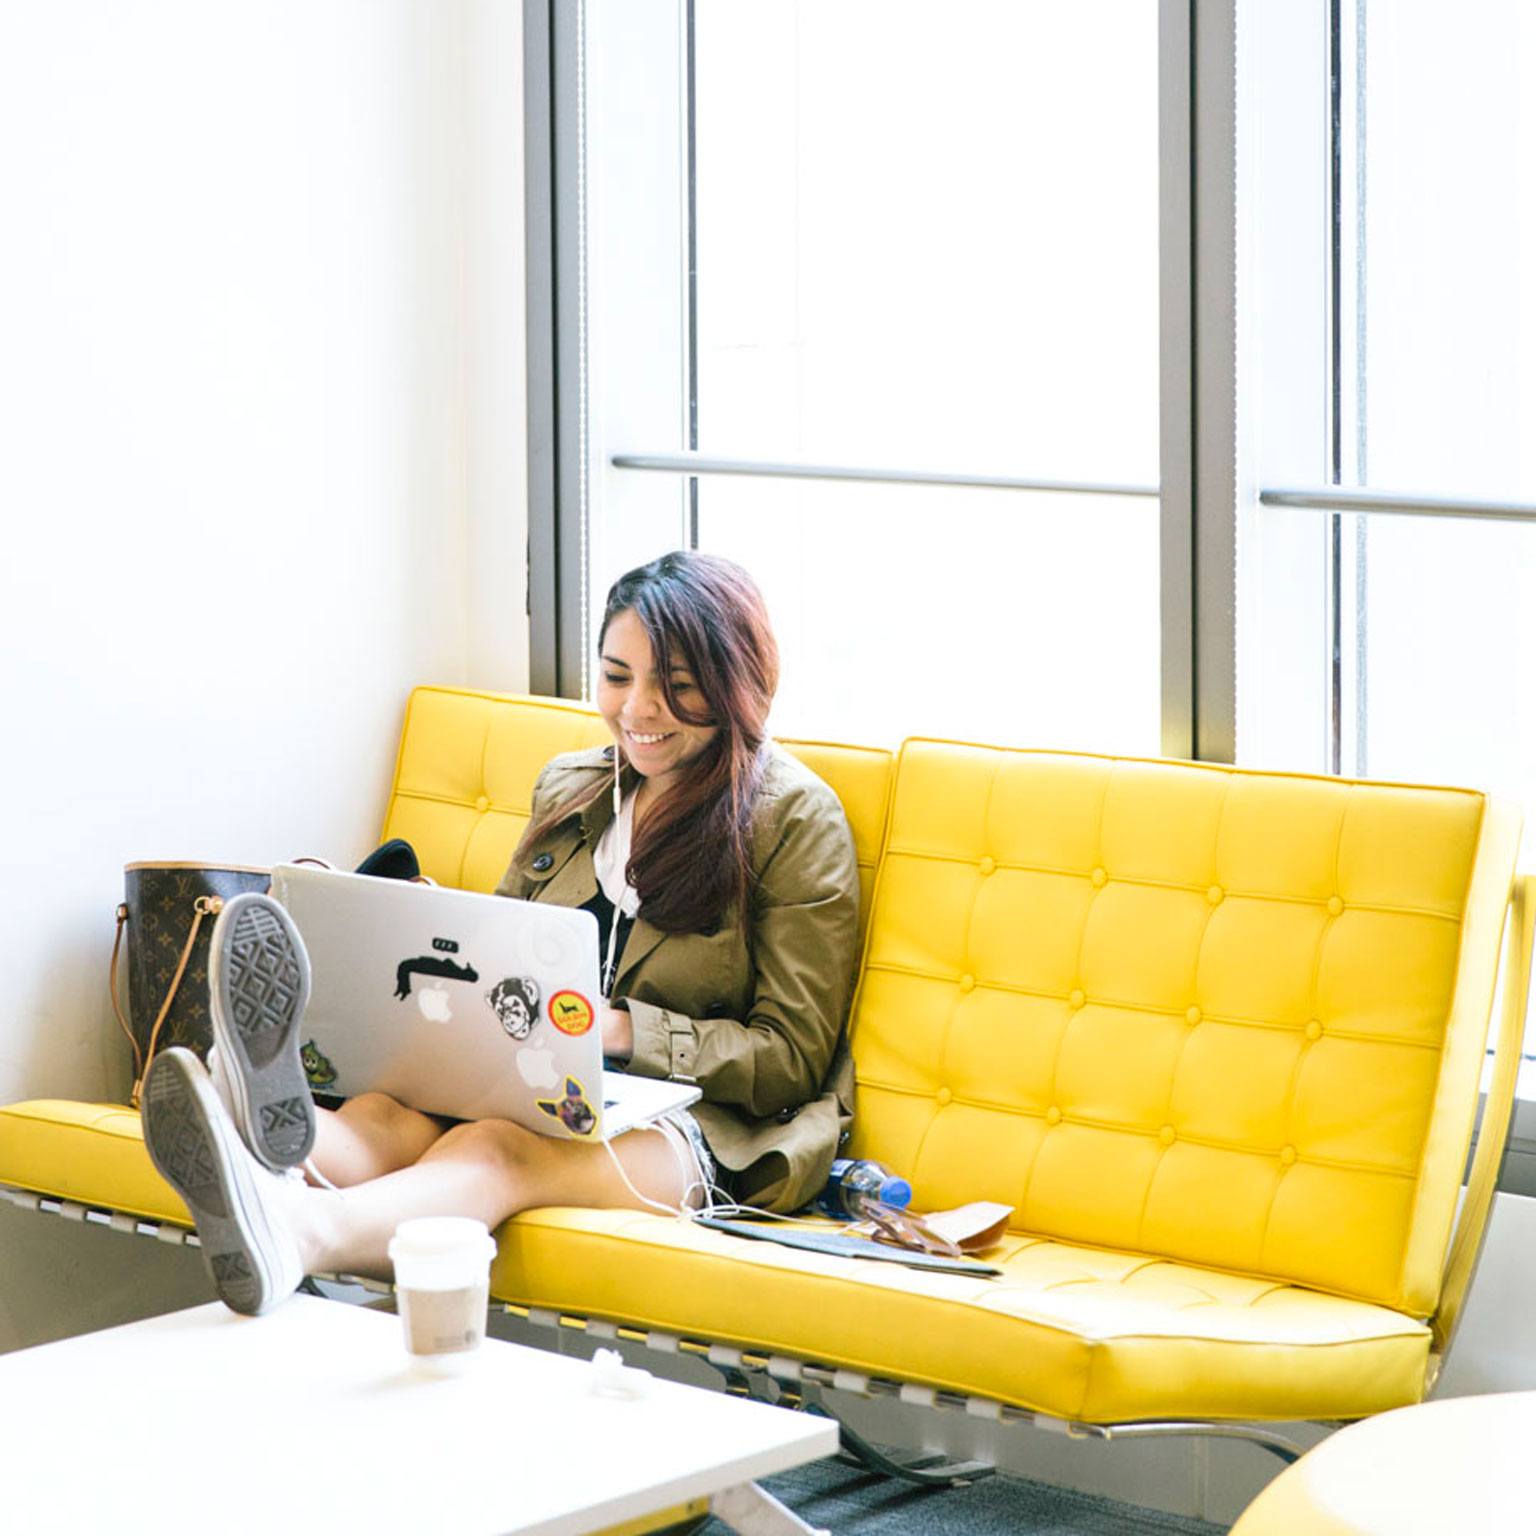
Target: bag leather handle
[203,906]
[117,1007]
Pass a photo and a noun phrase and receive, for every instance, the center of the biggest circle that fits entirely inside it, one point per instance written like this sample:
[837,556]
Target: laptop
[459,1004]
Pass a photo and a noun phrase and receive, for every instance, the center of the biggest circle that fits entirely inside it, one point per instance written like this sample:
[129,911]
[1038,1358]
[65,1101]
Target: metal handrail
[1333,498]
[775,469]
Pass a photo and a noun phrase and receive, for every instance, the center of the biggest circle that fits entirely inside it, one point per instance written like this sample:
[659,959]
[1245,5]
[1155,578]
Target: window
[1064,372]
[914,268]
[1394,359]
[1388,384]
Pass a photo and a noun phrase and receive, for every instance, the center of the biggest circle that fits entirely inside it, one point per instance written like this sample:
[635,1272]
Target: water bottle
[856,1183]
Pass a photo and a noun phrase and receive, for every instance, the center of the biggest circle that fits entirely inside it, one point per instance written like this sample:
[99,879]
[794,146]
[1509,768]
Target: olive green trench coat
[757,1019]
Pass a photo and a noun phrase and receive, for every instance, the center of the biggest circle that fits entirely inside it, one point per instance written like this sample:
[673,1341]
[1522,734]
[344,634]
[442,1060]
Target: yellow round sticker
[570,1012]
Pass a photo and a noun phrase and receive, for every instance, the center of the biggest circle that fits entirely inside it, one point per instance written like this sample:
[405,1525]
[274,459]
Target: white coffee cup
[442,1282]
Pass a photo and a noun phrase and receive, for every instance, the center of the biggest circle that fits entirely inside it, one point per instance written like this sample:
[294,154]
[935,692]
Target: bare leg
[370,1136]
[489,1169]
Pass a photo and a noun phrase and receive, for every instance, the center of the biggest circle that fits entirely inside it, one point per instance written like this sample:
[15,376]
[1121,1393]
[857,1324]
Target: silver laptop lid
[452,1002]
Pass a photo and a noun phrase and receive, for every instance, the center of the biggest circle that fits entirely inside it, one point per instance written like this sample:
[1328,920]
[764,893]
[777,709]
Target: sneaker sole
[195,1146]
[259,985]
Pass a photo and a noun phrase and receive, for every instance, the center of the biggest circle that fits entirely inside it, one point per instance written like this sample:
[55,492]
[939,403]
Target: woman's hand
[618,1034]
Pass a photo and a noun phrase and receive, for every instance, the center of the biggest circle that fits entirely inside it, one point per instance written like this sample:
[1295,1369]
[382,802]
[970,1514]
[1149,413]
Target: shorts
[682,1130]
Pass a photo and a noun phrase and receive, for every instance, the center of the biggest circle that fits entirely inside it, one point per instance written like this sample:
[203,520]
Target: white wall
[260,471]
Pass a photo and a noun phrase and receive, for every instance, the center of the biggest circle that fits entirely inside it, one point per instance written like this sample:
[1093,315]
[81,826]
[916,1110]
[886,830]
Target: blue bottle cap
[896,1192]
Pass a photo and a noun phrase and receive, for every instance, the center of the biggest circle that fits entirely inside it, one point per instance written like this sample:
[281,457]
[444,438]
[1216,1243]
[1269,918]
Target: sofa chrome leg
[752,1511]
[930,1471]
[1266,1439]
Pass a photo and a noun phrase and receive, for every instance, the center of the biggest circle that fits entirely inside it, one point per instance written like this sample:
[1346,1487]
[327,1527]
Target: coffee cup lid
[430,1237]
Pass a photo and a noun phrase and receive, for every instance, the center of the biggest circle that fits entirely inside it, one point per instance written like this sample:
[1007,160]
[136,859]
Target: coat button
[784,1116]
[543,862]
[717,1011]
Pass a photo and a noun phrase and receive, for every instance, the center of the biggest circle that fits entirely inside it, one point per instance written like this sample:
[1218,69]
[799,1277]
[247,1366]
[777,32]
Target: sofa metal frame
[800,1383]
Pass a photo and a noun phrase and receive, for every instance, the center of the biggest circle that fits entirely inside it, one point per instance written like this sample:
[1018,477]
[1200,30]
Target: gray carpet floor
[852,1502]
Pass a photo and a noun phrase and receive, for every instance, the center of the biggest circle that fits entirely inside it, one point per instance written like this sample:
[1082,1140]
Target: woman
[722,875]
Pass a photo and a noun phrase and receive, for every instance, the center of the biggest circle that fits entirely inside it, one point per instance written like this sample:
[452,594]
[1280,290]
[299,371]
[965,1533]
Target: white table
[313,1418]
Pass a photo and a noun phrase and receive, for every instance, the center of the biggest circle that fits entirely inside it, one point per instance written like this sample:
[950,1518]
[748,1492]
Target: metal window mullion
[539,248]
[570,198]
[1213,100]
[554,239]
[1176,472]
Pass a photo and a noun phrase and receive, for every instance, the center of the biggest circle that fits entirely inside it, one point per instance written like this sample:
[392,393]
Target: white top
[611,857]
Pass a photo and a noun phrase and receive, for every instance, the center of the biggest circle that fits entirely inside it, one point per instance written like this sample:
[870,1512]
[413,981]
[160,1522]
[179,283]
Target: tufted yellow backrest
[1229,1017]
[464,780]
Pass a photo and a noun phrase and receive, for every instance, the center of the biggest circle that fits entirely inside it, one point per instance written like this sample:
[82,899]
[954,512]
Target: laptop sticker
[537,1065]
[573,1111]
[515,1001]
[430,965]
[570,1012]
[318,1072]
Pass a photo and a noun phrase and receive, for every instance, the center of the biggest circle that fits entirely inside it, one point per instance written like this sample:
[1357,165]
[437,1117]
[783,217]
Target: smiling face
[630,697]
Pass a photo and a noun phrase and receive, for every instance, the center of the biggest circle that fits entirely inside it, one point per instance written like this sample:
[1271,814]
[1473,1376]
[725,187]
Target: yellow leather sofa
[1216,1035]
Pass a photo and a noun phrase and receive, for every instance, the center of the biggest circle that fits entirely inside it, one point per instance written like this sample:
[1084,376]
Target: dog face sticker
[515,1001]
[573,1111]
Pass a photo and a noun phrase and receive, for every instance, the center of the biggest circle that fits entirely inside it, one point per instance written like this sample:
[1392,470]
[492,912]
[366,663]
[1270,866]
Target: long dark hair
[691,862]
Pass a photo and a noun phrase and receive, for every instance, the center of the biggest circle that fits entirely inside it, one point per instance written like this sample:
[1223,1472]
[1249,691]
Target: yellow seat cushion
[1449,1466]
[1070,1331]
[90,1153]
[1067,1330]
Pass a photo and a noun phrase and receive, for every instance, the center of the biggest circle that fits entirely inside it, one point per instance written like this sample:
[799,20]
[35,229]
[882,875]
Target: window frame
[1197,346]
[1206,482]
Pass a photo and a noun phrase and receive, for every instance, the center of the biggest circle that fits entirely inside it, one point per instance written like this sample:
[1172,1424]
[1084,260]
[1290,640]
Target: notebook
[460,1004]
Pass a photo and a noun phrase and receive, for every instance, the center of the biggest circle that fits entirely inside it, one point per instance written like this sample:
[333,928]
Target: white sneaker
[249,1249]
[258,984]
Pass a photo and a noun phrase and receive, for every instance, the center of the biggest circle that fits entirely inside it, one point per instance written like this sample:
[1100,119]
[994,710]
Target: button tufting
[1335,905]
[1053,1116]
[967,983]
[1287,1155]
[944,1095]
[1076,1000]
[1314,1030]
[482,805]
[1192,1016]
[1100,878]
[1167,1136]
[1215,895]
[987,865]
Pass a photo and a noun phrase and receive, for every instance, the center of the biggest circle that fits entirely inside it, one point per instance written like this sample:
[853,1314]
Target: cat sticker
[430,965]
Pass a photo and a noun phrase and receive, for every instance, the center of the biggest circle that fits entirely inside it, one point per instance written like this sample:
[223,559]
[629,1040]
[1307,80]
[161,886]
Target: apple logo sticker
[537,1064]
[433,1002]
